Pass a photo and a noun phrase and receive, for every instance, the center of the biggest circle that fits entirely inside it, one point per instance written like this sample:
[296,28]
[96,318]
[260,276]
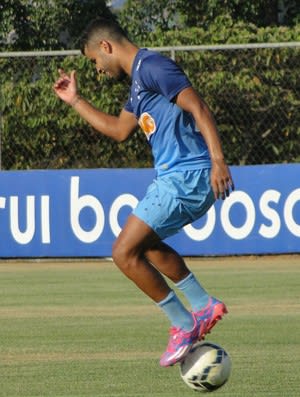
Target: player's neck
[127,54]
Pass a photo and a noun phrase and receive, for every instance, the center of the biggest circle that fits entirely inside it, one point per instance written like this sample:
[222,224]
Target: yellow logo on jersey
[147,124]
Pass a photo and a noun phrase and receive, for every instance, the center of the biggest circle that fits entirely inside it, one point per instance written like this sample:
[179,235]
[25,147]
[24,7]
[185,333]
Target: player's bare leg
[207,309]
[128,254]
[167,261]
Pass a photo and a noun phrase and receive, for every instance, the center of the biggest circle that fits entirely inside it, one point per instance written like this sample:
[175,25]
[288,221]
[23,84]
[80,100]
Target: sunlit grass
[82,329]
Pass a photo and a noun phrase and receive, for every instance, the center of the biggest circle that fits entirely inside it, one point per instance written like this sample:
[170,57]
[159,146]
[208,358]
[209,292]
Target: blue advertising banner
[79,213]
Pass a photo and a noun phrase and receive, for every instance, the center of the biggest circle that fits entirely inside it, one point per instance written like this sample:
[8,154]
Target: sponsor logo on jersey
[147,124]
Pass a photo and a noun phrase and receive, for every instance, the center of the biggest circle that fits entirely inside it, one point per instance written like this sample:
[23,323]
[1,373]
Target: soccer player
[191,174]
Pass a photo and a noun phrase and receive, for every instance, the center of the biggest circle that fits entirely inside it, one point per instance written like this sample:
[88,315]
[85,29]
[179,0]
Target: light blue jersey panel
[176,143]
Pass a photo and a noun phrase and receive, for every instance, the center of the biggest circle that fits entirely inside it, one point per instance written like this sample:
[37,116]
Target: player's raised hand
[221,180]
[66,86]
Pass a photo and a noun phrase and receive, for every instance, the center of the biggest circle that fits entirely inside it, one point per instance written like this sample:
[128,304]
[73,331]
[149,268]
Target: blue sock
[194,292]
[178,315]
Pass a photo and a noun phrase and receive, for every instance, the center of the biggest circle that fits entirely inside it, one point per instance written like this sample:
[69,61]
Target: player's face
[105,62]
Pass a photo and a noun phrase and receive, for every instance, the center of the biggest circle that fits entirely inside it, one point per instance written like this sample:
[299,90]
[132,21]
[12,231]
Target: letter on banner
[26,236]
[238,233]
[291,224]
[206,230]
[77,205]
[121,201]
[45,219]
[271,231]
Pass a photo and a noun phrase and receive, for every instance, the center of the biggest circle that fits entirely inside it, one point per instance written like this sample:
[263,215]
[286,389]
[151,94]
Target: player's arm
[116,127]
[221,180]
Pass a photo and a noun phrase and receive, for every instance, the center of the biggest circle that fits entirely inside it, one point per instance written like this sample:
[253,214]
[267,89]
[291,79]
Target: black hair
[102,28]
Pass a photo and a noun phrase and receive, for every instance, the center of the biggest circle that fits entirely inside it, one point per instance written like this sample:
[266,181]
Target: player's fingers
[216,194]
[64,75]
[215,189]
[230,184]
[73,76]
[56,85]
[219,188]
[227,187]
[223,189]
[61,83]
[61,72]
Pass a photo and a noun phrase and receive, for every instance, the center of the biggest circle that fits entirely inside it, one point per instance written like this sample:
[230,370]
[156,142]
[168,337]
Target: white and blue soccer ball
[206,367]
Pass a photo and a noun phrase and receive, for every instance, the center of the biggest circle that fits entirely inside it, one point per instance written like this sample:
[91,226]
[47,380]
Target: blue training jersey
[176,142]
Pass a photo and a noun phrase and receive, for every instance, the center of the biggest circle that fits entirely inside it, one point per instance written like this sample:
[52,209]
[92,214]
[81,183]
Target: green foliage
[254,94]
[40,131]
[223,31]
[144,17]
[56,24]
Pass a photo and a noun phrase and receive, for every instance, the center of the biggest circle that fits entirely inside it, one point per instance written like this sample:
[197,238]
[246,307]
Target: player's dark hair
[101,29]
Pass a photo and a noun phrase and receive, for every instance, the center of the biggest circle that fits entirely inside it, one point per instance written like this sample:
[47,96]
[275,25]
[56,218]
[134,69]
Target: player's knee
[116,253]
[122,256]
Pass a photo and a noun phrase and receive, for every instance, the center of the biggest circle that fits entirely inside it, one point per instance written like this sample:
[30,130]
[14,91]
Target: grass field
[82,329]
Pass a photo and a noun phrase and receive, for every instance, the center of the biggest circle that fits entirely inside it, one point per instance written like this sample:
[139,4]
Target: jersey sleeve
[162,75]
[128,106]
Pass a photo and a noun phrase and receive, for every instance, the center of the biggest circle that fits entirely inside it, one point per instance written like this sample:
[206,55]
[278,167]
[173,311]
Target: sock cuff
[182,283]
[167,299]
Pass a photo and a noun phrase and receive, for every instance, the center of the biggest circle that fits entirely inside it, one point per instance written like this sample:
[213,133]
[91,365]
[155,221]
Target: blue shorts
[175,200]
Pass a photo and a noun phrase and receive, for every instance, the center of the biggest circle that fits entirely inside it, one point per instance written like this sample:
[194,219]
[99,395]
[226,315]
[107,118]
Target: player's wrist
[217,159]
[75,100]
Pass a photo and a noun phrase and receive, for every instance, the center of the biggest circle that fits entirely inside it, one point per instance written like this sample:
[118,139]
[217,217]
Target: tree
[13,22]
[39,25]
[140,18]
[254,94]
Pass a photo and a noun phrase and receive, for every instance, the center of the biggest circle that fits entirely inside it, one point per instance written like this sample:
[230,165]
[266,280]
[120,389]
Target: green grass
[82,329]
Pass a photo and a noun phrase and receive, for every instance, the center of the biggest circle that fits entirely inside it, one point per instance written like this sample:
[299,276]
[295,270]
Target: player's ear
[106,46]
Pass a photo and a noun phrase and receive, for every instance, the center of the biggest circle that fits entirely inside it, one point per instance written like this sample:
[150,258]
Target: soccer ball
[206,367]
